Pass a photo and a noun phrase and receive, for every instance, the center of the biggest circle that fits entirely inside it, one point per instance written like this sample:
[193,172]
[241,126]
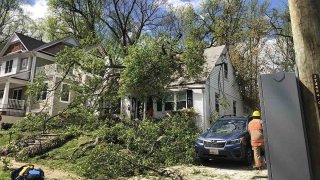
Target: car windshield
[228,126]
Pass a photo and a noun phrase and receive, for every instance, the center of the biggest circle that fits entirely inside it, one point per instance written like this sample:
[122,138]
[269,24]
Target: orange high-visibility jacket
[256,132]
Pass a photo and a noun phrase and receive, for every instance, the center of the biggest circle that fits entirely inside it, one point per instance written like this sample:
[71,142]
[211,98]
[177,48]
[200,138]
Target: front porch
[12,97]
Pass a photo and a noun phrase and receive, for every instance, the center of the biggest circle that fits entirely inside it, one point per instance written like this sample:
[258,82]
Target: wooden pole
[305,21]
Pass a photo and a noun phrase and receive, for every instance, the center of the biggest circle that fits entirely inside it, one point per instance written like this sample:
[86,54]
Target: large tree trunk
[305,20]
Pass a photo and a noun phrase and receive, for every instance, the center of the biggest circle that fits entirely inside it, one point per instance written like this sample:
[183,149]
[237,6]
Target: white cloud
[38,10]
[177,3]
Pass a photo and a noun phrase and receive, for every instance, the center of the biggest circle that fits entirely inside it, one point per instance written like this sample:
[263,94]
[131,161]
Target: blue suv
[228,138]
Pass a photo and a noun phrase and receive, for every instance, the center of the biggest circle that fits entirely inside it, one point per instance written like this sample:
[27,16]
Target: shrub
[6,126]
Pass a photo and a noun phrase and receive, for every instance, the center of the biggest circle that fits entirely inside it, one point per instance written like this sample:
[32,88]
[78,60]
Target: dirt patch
[203,172]
[50,173]
[214,171]
[208,171]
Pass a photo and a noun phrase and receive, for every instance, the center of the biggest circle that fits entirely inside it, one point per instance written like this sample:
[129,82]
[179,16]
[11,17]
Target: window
[65,94]
[44,92]
[225,67]
[217,96]
[189,98]
[169,104]
[234,108]
[17,94]
[8,66]
[24,64]
[181,99]
[159,105]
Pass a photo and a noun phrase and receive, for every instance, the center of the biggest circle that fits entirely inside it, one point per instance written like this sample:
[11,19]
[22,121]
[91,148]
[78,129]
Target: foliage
[8,23]
[6,163]
[147,64]
[6,126]
[128,147]
[138,146]
[282,54]
[31,123]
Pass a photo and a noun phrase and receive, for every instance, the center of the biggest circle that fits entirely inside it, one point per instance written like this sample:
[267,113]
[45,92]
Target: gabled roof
[211,56]
[56,42]
[29,42]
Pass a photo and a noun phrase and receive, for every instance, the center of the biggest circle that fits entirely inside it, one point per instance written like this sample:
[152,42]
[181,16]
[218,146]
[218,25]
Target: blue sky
[31,2]
[38,8]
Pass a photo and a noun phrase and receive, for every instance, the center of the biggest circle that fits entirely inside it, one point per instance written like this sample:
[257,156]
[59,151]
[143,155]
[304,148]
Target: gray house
[20,60]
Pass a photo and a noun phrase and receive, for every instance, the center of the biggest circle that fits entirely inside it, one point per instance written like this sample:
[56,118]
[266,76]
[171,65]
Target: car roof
[233,118]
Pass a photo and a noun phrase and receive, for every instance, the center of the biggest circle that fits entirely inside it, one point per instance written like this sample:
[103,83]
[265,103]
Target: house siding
[56,48]
[14,47]
[57,105]
[229,88]
[44,105]
[198,106]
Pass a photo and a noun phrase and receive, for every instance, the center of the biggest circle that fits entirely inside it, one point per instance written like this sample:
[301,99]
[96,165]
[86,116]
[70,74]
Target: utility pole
[305,21]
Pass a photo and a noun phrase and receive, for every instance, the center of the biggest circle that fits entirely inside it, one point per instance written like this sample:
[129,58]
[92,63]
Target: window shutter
[189,99]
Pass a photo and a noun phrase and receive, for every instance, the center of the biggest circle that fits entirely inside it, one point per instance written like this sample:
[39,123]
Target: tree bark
[305,20]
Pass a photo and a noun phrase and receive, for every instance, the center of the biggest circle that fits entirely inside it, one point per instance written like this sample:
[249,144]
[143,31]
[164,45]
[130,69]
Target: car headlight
[234,141]
[199,141]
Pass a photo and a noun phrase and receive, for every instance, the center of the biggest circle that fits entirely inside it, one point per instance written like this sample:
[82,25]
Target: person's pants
[258,159]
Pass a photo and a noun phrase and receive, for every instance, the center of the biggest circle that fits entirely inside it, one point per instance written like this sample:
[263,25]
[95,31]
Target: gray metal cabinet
[284,132]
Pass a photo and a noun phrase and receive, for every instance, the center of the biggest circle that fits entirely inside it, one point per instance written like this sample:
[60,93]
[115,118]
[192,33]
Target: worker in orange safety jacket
[257,140]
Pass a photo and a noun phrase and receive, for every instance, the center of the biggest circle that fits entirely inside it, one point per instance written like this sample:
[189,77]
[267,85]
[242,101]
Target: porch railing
[13,104]
[16,104]
[51,69]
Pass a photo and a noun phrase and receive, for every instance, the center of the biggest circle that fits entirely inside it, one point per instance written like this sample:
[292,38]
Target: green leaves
[148,69]
[134,147]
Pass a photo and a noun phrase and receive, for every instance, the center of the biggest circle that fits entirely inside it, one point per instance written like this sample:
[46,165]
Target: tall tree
[281,51]
[10,19]
[305,21]
[122,20]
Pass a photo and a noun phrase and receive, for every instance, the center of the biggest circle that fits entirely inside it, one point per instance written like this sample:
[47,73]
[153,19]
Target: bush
[6,126]
[37,122]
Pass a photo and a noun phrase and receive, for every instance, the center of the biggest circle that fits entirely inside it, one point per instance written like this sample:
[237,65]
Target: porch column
[5,97]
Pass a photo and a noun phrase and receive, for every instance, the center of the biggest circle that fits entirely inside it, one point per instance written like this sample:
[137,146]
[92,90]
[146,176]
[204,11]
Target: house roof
[211,56]
[46,45]
[29,42]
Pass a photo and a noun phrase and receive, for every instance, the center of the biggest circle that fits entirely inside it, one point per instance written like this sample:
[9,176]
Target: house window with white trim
[9,66]
[24,64]
[169,102]
[181,100]
[65,93]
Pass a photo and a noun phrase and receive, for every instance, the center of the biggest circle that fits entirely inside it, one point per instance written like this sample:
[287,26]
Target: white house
[203,94]
[20,59]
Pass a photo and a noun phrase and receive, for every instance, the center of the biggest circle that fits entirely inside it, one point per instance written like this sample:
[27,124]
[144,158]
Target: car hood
[223,136]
